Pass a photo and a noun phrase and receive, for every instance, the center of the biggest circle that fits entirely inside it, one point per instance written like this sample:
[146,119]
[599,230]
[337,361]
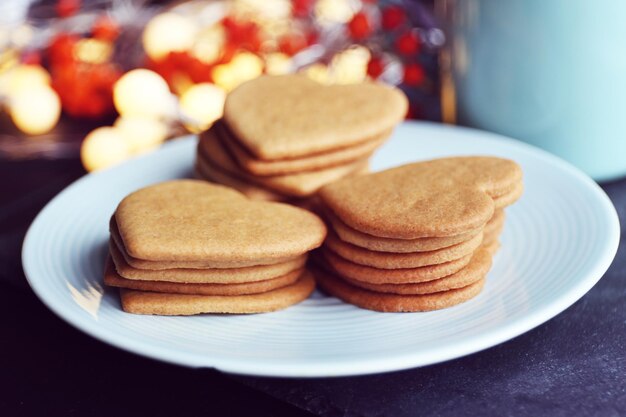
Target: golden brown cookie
[142,264]
[298,165]
[212,153]
[442,197]
[291,116]
[492,247]
[210,173]
[167,304]
[385,244]
[191,221]
[510,197]
[203,276]
[388,260]
[476,270]
[492,233]
[386,302]
[495,224]
[392,276]
[113,279]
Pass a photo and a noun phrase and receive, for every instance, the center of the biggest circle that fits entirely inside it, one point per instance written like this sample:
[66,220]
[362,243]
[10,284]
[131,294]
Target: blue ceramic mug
[548,72]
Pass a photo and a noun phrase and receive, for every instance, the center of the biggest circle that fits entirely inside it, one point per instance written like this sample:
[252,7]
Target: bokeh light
[102,148]
[209,44]
[350,66]
[35,110]
[142,93]
[277,63]
[203,104]
[23,77]
[243,67]
[93,51]
[141,134]
[318,72]
[168,32]
[335,11]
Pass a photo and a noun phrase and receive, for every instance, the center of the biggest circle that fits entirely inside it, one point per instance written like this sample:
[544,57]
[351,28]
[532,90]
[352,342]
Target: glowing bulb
[203,103]
[224,77]
[35,110]
[142,93]
[334,11]
[102,148]
[243,67]
[168,32]
[246,66]
[93,51]
[141,134]
[9,59]
[209,43]
[24,77]
[350,66]
[319,73]
[277,63]
[262,10]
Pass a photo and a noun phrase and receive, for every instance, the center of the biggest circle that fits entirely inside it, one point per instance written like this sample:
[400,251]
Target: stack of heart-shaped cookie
[283,137]
[417,237]
[189,247]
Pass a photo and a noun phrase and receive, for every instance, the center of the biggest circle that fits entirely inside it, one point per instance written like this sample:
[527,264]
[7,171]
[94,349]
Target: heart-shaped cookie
[290,116]
[297,165]
[388,302]
[190,220]
[113,279]
[476,270]
[441,197]
[211,153]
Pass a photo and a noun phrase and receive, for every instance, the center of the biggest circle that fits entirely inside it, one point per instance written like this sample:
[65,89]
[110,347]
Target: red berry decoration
[408,43]
[360,26]
[393,17]
[61,49]
[245,35]
[292,43]
[311,38]
[301,8]
[105,29]
[67,8]
[413,75]
[198,71]
[85,90]
[375,67]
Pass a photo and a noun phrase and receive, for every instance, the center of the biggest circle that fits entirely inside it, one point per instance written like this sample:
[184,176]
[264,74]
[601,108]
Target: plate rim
[343,367]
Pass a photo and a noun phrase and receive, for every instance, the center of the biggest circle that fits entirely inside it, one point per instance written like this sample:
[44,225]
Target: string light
[35,110]
[318,72]
[102,148]
[23,77]
[141,134]
[209,44]
[246,66]
[243,67]
[350,66]
[168,32]
[142,93]
[93,51]
[277,63]
[334,11]
[204,104]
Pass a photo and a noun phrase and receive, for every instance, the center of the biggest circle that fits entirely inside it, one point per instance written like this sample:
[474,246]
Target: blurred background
[105,80]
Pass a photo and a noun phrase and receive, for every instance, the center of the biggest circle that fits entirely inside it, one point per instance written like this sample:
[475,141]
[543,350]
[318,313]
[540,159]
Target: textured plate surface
[558,241]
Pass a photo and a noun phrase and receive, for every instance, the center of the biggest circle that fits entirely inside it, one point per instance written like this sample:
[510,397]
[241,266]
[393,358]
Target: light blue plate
[559,240]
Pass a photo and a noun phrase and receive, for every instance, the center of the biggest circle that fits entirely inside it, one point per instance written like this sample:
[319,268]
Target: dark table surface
[574,365]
